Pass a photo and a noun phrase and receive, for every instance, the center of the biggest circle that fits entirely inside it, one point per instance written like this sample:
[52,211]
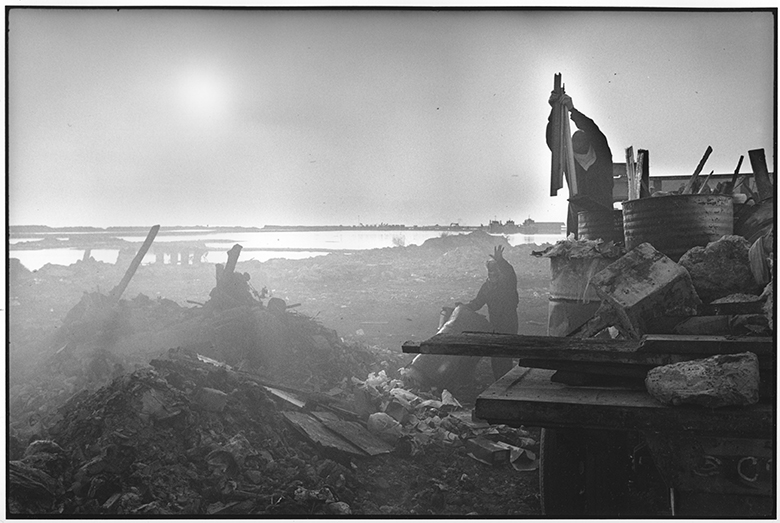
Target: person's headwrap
[585,158]
[492,267]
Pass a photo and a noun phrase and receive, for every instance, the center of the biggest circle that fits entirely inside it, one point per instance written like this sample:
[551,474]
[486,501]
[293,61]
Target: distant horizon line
[453,225]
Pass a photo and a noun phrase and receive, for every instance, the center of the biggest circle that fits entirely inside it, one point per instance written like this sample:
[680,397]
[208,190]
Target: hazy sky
[254,117]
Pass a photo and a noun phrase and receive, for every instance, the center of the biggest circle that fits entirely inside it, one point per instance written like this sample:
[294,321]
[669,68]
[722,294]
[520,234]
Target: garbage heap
[190,435]
[237,406]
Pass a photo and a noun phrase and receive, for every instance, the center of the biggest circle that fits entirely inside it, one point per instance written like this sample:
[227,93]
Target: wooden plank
[689,187]
[517,345]
[706,345]
[764,184]
[528,397]
[732,308]
[286,396]
[643,172]
[622,358]
[631,178]
[354,433]
[320,435]
[556,175]
[730,186]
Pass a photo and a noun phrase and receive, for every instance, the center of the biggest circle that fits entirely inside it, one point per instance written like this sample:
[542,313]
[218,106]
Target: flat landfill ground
[378,298]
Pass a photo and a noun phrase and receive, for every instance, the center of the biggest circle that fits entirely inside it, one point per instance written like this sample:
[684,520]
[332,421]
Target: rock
[339,508]
[255,476]
[644,285]
[721,268]
[726,379]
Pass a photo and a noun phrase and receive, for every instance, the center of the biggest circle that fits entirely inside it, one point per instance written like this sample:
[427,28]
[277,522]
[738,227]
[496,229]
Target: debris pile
[189,435]
[241,405]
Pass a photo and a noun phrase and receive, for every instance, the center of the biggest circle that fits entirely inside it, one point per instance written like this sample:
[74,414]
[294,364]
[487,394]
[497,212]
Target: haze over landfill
[320,117]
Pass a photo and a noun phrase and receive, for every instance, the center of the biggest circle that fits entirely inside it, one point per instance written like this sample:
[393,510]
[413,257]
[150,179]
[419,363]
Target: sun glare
[203,94]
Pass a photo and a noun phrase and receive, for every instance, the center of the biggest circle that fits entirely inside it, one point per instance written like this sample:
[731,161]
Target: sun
[203,94]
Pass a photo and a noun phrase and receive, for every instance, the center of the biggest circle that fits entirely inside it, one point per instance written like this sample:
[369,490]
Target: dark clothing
[501,299]
[596,182]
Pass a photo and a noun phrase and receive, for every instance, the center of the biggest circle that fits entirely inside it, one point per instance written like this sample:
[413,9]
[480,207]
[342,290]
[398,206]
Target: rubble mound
[188,435]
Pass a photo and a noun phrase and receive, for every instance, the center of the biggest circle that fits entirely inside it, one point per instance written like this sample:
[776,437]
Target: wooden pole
[117,291]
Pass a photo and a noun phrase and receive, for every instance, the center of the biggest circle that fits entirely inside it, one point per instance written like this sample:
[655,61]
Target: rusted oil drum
[676,223]
[604,225]
[573,300]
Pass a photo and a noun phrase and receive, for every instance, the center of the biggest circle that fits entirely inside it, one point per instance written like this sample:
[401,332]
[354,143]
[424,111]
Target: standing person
[592,161]
[499,293]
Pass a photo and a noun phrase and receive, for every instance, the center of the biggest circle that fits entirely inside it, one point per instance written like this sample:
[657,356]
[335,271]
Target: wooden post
[117,291]
[233,253]
[764,184]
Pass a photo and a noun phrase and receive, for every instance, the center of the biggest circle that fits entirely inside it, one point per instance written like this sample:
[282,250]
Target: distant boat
[528,226]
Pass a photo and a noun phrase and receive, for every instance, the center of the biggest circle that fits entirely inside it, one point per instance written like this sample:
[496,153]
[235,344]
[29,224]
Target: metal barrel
[604,225]
[573,300]
[676,223]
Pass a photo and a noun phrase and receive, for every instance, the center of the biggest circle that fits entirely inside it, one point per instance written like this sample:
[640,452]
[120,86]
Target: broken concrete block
[643,285]
[721,268]
[719,381]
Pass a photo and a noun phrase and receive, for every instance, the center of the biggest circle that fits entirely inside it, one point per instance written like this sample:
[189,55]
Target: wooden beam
[517,345]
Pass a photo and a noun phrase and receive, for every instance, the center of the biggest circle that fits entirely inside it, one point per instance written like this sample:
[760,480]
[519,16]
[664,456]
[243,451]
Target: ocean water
[261,246]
